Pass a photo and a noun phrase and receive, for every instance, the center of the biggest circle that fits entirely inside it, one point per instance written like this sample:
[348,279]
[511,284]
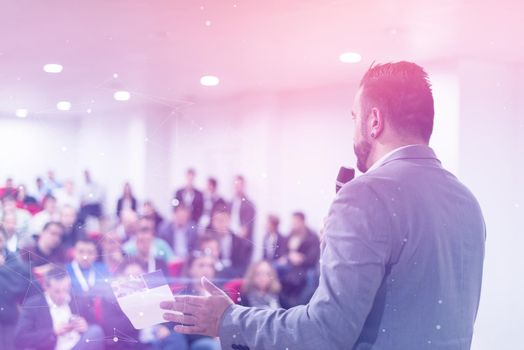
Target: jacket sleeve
[352,265]
[30,335]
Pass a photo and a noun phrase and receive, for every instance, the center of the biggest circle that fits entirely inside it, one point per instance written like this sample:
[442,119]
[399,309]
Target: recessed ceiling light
[53,68]
[350,57]
[21,113]
[63,105]
[121,95]
[209,80]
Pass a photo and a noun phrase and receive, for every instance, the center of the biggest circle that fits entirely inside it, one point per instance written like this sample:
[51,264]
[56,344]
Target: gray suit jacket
[401,268]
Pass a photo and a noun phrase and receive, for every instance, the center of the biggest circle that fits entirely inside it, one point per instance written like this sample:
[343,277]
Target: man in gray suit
[402,252]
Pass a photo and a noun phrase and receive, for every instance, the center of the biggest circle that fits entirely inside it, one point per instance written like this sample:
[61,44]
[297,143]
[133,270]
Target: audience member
[14,283]
[41,189]
[235,252]
[48,249]
[180,233]
[191,197]
[87,275]
[126,201]
[73,228]
[8,189]
[274,243]
[51,183]
[23,217]
[149,211]
[128,225]
[261,286]
[12,235]
[53,320]
[49,213]
[67,195]
[211,198]
[297,270]
[25,201]
[242,210]
[112,252]
[91,198]
[154,252]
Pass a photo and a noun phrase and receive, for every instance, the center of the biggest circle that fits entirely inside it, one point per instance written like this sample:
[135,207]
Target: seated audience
[48,249]
[87,275]
[235,252]
[191,197]
[242,210]
[297,269]
[180,233]
[49,213]
[126,201]
[52,183]
[14,283]
[151,250]
[261,286]
[274,243]
[53,320]
[73,228]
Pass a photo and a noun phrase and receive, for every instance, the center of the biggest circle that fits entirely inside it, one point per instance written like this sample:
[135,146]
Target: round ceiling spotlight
[122,95]
[63,106]
[350,57]
[209,80]
[53,68]
[21,112]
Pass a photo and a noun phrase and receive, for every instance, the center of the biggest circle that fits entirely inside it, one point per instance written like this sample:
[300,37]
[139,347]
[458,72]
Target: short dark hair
[53,223]
[55,274]
[274,220]
[300,215]
[85,240]
[213,182]
[402,92]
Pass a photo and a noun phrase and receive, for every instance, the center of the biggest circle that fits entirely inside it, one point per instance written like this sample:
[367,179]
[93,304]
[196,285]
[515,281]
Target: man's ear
[375,123]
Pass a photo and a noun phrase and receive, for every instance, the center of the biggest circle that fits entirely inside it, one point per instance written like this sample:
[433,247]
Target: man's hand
[79,324]
[198,314]
[63,329]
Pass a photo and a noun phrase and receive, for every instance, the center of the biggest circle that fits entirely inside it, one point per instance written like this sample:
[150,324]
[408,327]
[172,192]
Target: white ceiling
[159,49]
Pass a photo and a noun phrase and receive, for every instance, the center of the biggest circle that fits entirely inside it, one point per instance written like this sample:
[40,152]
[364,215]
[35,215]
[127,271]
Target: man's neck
[381,149]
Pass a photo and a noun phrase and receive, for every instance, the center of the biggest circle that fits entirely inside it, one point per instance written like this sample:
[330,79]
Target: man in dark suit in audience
[235,252]
[14,282]
[191,197]
[54,320]
[180,233]
[211,198]
[243,210]
[274,243]
[48,249]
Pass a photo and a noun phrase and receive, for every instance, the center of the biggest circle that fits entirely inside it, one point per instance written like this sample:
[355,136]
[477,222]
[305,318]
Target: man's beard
[362,151]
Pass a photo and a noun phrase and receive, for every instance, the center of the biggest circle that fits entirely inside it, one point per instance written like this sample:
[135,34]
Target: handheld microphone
[344,175]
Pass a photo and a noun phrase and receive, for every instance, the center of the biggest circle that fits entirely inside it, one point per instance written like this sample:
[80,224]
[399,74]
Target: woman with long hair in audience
[261,286]
[126,201]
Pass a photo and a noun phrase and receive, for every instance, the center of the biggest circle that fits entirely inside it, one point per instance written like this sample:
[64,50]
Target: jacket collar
[410,152]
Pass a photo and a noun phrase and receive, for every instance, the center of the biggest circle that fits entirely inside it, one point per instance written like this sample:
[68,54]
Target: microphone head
[344,175]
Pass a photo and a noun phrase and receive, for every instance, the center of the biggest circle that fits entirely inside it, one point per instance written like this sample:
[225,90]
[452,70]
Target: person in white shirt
[67,195]
[54,320]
